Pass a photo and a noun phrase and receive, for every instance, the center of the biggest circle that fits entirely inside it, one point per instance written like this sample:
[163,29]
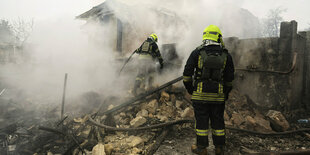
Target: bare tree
[13,36]
[271,24]
[308,29]
[22,30]
[6,32]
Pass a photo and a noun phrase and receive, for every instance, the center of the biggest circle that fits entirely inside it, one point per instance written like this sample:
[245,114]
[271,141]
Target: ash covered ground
[29,129]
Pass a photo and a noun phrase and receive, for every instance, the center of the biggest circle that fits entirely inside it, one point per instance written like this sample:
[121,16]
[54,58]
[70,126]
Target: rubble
[134,141]
[188,112]
[138,121]
[77,135]
[262,124]
[237,119]
[142,113]
[179,104]
[278,121]
[98,150]
[151,106]
[164,97]
[108,149]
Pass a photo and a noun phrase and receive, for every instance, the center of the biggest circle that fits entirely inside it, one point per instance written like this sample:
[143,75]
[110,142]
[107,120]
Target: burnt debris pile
[160,121]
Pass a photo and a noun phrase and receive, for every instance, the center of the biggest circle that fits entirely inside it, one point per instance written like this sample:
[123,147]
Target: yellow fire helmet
[212,32]
[154,36]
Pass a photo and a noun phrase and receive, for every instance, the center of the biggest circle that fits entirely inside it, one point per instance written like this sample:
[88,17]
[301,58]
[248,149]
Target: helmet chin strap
[210,42]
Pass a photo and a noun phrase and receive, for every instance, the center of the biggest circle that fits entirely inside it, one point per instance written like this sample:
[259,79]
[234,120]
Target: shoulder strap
[224,55]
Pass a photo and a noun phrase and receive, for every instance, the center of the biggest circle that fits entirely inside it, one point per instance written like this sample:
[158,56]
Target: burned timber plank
[142,96]
[153,148]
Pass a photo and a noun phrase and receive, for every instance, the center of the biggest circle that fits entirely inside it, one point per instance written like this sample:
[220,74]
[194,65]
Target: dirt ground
[179,142]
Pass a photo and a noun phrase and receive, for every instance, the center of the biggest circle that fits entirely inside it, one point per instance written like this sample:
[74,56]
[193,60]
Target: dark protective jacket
[149,49]
[206,89]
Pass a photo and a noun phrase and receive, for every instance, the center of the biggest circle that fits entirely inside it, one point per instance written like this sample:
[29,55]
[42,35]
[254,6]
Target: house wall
[257,59]
[103,31]
[306,98]
[132,38]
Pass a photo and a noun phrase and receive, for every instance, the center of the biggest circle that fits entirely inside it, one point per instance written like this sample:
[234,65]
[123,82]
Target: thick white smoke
[62,44]
[59,47]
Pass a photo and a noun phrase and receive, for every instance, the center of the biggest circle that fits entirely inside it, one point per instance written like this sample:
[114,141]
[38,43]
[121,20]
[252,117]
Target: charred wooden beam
[62,120]
[158,142]
[51,130]
[142,96]
[63,97]
[99,109]
[70,134]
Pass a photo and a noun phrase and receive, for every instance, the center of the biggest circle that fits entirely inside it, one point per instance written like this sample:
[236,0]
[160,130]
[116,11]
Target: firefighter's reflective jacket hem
[145,56]
[218,97]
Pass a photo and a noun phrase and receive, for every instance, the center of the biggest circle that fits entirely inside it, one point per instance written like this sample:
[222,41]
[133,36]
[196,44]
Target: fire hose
[126,62]
[161,125]
[274,72]
[182,121]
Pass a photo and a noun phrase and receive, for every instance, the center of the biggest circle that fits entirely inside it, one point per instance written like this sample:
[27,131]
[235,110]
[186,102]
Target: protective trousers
[146,69]
[205,111]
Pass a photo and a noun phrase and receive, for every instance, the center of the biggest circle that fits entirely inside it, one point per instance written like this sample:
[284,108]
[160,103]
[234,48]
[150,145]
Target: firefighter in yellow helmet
[148,53]
[208,76]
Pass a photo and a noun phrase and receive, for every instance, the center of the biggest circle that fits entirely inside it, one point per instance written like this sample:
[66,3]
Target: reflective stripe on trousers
[218,132]
[200,132]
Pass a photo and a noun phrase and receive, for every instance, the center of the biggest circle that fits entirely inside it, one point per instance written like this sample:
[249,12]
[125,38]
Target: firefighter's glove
[190,91]
[226,96]
[189,86]
[161,66]
[225,50]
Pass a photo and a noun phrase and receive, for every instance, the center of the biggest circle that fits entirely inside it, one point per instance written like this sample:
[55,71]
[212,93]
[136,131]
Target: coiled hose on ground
[182,121]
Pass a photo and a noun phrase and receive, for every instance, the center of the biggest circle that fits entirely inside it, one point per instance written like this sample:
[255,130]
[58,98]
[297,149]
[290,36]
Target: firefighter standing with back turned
[148,52]
[208,76]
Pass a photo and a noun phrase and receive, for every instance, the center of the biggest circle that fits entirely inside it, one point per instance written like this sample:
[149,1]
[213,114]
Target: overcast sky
[296,9]
[52,9]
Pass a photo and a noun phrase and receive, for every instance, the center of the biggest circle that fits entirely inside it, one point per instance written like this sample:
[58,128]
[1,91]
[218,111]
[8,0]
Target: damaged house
[272,79]
[278,67]
[120,27]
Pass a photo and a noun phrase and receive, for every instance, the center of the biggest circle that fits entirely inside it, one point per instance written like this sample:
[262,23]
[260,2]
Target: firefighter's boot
[135,87]
[219,150]
[134,91]
[199,150]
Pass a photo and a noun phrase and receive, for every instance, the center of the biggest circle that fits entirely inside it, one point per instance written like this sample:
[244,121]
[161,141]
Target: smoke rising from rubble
[191,19]
[62,45]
